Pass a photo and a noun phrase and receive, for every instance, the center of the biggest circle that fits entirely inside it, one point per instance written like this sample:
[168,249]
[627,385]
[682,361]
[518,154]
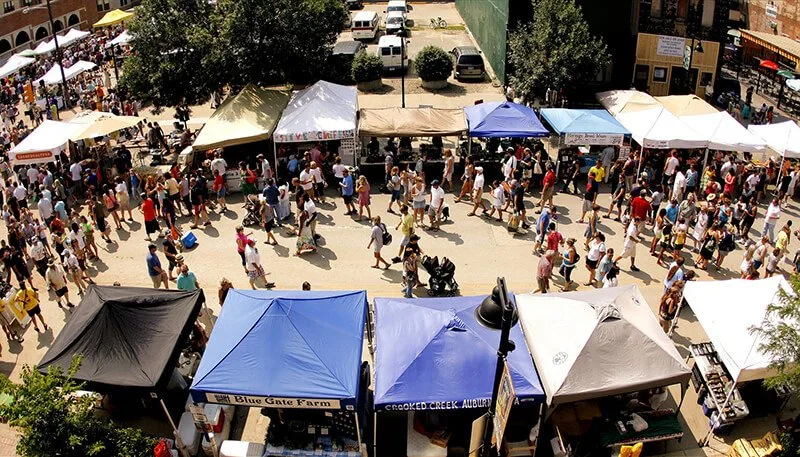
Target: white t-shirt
[596,250]
[33,175]
[723,170]
[37,251]
[19,192]
[251,256]
[499,197]
[306,180]
[478,184]
[219,164]
[753,180]
[317,174]
[509,166]
[338,170]
[310,207]
[672,164]
[45,209]
[377,236]
[773,213]
[437,197]
[265,168]
[680,183]
[630,233]
[121,188]
[55,275]
[75,171]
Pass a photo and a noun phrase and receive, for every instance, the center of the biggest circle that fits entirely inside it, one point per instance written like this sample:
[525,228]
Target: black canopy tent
[128,336]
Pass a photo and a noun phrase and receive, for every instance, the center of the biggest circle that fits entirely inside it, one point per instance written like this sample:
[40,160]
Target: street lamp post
[692,50]
[487,314]
[59,57]
[403,70]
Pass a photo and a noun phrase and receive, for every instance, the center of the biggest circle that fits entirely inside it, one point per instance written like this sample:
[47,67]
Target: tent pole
[375,435]
[780,172]
[705,164]
[178,441]
[275,157]
[358,429]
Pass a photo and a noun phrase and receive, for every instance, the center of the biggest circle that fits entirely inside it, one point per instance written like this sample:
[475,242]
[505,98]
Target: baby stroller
[442,276]
[253,208]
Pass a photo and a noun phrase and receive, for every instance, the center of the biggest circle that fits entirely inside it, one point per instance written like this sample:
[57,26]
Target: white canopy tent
[42,145]
[324,111]
[98,124]
[44,47]
[71,37]
[783,137]
[727,310]
[597,343]
[53,76]
[650,123]
[725,133]
[15,63]
[122,39]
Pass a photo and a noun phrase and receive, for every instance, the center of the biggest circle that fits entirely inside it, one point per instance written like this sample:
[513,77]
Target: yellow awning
[247,117]
[686,105]
[783,46]
[113,18]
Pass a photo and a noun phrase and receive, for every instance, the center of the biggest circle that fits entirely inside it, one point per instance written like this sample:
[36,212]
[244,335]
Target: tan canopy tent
[412,122]
[247,117]
[686,105]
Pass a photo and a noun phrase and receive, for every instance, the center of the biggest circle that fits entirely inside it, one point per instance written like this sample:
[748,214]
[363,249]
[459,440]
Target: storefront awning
[783,46]
[412,122]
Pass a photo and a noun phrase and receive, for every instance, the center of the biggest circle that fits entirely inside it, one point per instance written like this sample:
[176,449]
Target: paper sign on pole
[476,436]
[670,46]
[505,400]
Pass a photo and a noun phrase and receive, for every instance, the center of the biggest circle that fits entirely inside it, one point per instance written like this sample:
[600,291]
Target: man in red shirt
[548,183]
[148,210]
[640,207]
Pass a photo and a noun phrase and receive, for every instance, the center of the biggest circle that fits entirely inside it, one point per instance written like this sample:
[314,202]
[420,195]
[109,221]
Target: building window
[8,6]
[659,75]
[123,2]
[103,5]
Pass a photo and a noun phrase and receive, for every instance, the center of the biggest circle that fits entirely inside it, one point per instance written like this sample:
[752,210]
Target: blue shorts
[222,192]
[396,195]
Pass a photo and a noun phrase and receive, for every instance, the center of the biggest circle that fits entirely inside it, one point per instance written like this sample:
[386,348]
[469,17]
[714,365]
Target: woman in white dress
[699,229]
[284,203]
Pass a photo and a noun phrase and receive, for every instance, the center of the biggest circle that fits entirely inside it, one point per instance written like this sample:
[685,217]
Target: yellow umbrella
[113,18]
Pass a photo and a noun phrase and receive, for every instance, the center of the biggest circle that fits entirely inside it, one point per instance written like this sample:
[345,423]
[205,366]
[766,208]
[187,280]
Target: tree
[366,67]
[177,54]
[54,421]
[433,64]
[555,50]
[780,335]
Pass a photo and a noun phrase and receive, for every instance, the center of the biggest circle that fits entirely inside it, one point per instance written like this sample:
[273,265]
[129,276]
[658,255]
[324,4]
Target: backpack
[387,237]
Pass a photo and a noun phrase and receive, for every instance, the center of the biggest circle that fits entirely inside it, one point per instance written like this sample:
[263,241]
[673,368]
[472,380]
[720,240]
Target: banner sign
[505,399]
[670,46]
[347,151]
[476,403]
[656,144]
[273,402]
[314,136]
[592,139]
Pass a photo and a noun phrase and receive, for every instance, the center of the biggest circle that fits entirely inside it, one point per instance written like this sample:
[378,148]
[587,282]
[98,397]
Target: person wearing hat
[477,191]
[56,278]
[436,206]
[154,270]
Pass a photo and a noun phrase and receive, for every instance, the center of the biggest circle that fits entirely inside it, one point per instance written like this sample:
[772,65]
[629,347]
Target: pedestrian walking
[56,278]
[395,187]
[305,235]
[348,188]
[221,189]
[406,227]
[157,274]
[544,272]
[477,191]
[591,226]
[605,265]
[498,201]
[148,210]
[569,259]
[268,222]
[186,279]
[631,239]
[419,199]
[548,185]
[254,268]
[449,166]
[597,250]
[376,241]
[726,245]
[362,189]
[170,252]
[708,247]
[28,300]
[467,178]
[669,305]
[197,197]
[436,206]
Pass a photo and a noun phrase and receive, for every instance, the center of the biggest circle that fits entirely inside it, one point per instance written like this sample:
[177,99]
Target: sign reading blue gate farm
[592,139]
[273,402]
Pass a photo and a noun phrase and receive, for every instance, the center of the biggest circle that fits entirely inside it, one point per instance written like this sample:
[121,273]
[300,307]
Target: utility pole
[59,57]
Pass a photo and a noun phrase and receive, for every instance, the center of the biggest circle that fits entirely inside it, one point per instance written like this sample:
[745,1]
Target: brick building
[779,17]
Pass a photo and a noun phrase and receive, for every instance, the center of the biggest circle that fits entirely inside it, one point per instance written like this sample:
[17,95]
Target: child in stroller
[253,208]
[442,276]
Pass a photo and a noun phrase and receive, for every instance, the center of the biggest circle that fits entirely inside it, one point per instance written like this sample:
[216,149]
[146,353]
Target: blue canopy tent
[503,120]
[432,354]
[583,122]
[285,349]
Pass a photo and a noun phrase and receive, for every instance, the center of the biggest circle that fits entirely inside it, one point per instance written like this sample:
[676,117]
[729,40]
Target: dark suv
[468,63]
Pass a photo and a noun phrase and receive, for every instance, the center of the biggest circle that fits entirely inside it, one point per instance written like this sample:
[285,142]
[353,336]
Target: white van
[395,22]
[397,5]
[365,25]
[390,51]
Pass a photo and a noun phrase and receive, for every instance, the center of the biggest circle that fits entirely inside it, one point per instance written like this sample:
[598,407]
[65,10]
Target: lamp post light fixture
[692,49]
[497,312]
[59,57]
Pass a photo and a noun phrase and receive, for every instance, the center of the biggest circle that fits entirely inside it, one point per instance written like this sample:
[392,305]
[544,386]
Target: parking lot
[419,35]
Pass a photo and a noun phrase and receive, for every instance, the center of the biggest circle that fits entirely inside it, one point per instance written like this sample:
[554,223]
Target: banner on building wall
[670,46]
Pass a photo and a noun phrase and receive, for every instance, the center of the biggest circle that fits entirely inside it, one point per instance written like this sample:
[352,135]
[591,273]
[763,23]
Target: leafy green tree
[366,67]
[176,54]
[780,335]
[274,41]
[433,64]
[555,50]
[55,422]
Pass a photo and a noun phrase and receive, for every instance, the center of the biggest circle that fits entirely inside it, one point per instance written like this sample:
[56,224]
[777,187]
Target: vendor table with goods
[721,401]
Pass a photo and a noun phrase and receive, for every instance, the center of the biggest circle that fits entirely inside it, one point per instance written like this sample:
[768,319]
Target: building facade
[778,17]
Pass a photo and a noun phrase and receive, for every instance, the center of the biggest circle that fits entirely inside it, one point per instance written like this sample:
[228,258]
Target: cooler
[231,448]
[188,240]
[189,435]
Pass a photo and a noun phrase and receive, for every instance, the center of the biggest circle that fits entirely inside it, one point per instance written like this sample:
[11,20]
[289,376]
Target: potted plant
[434,65]
[367,70]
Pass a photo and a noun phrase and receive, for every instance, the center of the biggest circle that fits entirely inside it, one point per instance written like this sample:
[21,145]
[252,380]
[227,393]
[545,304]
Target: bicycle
[438,23]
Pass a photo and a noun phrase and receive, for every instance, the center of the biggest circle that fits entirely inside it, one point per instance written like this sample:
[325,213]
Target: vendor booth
[593,129]
[98,124]
[243,119]
[15,63]
[45,143]
[53,75]
[128,337]
[114,17]
[727,369]
[406,124]
[498,122]
[782,137]
[434,366]
[324,112]
[605,363]
[297,355]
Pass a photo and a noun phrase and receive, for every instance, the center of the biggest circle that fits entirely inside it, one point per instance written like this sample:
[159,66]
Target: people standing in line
[157,274]
[376,240]
[56,278]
